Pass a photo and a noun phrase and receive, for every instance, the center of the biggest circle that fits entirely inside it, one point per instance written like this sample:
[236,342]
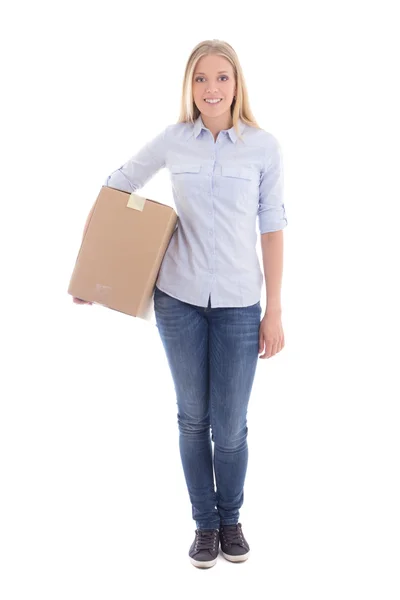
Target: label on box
[135,201]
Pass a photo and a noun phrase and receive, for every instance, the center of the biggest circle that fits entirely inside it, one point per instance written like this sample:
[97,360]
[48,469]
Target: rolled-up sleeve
[143,165]
[271,209]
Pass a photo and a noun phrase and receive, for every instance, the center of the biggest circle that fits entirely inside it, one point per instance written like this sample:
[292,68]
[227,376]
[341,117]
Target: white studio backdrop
[93,502]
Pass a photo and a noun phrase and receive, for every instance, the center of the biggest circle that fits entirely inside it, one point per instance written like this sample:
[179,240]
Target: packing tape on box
[136,202]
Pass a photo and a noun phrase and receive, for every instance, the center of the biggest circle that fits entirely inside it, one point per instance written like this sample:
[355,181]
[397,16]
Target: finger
[265,355]
[270,349]
[274,348]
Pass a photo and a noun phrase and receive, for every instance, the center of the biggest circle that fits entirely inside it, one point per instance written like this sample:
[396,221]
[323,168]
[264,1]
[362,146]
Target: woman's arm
[143,165]
[272,252]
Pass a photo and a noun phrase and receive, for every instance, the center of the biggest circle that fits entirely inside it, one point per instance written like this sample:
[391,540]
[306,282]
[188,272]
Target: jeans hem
[228,522]
[207,526]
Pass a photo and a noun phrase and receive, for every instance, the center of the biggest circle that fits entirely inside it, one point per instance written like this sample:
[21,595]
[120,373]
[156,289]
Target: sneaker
[205,547]
[233,544]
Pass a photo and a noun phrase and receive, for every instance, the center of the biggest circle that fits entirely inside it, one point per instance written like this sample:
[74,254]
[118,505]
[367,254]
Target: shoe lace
[232,534]
[206,539]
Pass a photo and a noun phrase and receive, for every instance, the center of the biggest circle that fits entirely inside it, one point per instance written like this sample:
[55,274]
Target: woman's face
[213,78]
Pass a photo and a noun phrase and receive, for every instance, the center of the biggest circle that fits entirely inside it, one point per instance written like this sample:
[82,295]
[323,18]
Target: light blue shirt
[221,189]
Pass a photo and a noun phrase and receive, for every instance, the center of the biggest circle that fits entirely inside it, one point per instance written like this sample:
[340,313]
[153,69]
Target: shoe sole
[203,564]
[239,558]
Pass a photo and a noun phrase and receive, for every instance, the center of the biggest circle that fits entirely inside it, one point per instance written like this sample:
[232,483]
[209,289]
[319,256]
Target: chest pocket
[238,172]
[186,178]
[241,182]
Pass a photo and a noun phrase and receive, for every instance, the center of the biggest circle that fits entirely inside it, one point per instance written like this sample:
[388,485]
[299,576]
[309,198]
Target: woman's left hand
[271,334]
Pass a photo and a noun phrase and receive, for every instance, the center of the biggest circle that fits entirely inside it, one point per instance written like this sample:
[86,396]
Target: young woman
[226,172]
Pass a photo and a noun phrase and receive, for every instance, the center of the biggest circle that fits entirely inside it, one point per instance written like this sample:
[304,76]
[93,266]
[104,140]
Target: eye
[200,77]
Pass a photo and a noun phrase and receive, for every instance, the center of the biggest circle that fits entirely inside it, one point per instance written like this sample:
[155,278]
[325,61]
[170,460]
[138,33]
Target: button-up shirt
[221,188]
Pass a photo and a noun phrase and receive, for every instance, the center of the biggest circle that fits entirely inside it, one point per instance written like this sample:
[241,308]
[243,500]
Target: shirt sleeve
[271,209]
[143,165]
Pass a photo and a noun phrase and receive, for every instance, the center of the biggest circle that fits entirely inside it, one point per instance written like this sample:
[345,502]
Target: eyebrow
[201,73]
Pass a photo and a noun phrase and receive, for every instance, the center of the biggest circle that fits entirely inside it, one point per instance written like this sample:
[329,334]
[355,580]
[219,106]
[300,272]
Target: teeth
[213,101]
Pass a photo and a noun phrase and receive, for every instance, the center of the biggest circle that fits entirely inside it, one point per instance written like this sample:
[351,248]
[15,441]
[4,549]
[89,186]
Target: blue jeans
[212,355]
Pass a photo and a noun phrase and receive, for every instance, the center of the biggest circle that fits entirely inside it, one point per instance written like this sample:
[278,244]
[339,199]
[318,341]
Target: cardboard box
[122,251]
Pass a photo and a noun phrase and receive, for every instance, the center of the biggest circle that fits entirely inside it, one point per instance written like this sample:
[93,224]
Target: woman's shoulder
[261,136]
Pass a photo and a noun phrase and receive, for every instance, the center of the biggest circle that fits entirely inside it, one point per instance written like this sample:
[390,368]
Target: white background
[93,502]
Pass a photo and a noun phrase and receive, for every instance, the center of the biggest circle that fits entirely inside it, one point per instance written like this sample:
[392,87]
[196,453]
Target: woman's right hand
[79,301]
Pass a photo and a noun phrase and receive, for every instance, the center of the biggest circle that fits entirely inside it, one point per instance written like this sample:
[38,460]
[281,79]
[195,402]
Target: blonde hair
[240,107]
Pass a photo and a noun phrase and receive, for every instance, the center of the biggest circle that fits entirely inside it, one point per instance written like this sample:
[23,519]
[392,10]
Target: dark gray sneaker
[233,544]
[204,549]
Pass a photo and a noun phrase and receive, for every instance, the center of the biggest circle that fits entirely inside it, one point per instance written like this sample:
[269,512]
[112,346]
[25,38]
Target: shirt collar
[199,125]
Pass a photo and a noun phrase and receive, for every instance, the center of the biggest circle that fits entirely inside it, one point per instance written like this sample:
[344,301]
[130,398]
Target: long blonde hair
[240,108]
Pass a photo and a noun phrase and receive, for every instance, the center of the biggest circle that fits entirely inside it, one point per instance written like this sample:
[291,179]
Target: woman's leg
[234,337]
[184,333]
